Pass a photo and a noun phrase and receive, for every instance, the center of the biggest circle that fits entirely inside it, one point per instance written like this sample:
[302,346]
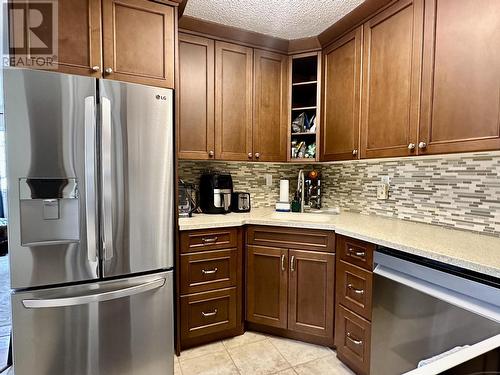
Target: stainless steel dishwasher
[423,308]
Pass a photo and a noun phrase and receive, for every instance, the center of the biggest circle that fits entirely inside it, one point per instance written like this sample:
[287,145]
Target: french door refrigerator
[90,178]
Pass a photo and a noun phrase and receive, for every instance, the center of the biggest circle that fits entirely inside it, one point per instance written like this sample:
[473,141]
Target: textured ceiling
[287,19]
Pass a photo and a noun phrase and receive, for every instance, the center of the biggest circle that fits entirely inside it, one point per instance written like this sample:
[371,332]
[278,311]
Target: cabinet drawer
[292,238]
[210,239]
[208,270]
[207,313]
[352,339]
[354,288]
[355,252]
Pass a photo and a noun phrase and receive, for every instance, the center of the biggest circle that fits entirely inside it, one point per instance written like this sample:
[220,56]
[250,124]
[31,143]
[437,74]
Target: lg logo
[161,97]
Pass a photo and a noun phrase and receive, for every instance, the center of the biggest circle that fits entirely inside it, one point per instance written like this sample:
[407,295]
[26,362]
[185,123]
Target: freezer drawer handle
[209,272]
[355,290]
[353,340]
[209,240]
[208,314]
[90,298]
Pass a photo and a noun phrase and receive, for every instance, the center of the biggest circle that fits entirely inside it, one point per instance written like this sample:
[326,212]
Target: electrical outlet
[268,179]
[383,191]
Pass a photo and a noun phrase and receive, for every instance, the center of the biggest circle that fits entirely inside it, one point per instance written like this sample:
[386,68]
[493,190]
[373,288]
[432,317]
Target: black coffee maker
[215,192]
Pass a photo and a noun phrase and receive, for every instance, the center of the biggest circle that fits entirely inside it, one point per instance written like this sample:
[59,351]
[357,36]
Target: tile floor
[255,353]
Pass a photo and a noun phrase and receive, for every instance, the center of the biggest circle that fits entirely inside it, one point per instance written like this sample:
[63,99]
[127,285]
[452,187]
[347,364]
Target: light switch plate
[383,191]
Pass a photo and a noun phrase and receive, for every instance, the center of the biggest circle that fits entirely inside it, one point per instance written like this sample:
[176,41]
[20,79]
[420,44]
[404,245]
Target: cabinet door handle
[250,155]
[257,155]
[96,68]
[355,290]
[207,241]
[209,272]
[283,262]
[353,340]
[422,145]
[356,254]
[108,70]
[354,152]
[208,314]
[292,263]
[411,146]
[211,153]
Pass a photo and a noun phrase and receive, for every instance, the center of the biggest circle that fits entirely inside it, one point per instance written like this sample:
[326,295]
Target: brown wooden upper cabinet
[233,101]
[392,58]
[342,90]
[196,134]
[270,109]
[135,42]
[138,41]
[461,77]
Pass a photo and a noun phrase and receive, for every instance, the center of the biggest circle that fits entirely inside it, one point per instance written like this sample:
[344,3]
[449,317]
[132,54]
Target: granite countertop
[464,249]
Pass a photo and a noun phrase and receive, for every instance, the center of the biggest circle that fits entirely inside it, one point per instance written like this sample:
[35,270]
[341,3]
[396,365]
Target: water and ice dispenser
[49,211]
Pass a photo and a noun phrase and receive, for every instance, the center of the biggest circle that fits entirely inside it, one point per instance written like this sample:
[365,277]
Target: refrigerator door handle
[90,298]
[90,191]
[107,187]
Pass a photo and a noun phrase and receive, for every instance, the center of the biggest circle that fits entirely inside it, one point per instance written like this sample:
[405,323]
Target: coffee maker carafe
[215,192]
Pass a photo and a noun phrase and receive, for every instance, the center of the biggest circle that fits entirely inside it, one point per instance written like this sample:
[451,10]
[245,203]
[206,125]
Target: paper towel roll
[284,185]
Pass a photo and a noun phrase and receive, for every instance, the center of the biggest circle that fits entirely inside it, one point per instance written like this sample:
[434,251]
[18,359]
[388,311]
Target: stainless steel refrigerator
[91,210]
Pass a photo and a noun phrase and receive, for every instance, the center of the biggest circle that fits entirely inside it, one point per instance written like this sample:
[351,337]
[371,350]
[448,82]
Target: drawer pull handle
[354,340]
[208,314]
[209,272]
[209,240]
[283,262]
[355,290]
[356,254]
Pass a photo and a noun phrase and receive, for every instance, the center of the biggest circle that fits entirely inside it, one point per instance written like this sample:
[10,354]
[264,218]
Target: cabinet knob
[411,146]
[211,153]
[354,152]
[108,71]
[257,155]
[250,155]
[96,68]
[422,145]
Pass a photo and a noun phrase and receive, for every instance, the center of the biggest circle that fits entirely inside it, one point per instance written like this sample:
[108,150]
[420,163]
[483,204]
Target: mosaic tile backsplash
[458,191]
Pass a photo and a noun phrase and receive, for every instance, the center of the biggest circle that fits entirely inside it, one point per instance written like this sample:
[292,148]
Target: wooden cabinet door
[461,76]
[342,92]
[233,101]
[270,116]
[267,284]
[311,293]
[196,98]
[79,37]
[391,80]
[138,42]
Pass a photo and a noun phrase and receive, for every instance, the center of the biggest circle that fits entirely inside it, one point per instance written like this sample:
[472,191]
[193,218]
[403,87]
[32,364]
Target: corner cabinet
[233,101]
[126,40]
[290,277]
[270,106]
[342,90]
[461,77]
[392,58]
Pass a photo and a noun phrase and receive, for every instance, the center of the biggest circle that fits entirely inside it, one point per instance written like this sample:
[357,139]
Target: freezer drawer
[122,327]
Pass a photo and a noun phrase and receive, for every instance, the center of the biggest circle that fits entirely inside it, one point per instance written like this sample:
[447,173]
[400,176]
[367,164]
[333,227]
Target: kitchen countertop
[464,249]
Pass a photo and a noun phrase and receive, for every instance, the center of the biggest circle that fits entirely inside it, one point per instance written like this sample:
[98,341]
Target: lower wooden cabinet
[352,339]
[311,292]
[267,284]
[353,303]
[290,290]
[210,283]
